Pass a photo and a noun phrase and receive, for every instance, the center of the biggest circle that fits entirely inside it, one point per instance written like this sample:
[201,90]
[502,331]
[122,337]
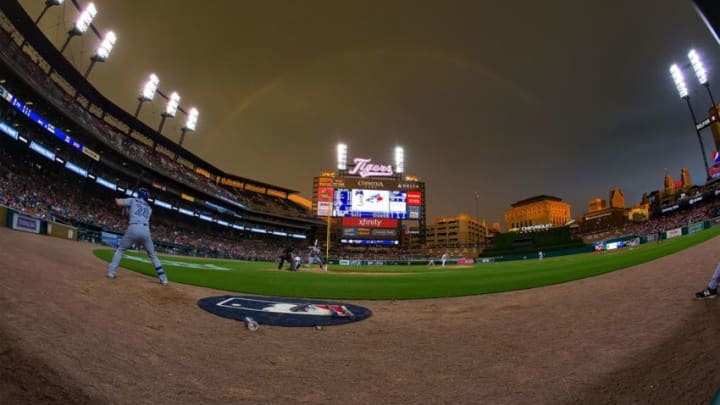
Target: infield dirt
[68,335]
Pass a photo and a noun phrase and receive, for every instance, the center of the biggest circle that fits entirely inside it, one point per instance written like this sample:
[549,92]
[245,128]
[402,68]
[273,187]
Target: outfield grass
[404,282]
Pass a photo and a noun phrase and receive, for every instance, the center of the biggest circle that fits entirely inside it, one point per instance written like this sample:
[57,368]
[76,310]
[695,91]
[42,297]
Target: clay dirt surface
[68,335]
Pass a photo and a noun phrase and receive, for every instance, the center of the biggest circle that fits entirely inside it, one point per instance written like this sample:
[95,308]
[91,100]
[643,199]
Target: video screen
[362,203]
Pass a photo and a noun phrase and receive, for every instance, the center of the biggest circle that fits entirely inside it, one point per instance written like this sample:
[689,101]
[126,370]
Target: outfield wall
[668,234]
[512,244]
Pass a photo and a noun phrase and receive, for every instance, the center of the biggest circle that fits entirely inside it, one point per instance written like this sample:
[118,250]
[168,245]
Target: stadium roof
[536,199]
[37,39]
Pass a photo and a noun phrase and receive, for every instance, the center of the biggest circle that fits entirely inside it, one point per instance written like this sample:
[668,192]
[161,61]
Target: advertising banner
[384,233]
[372,184]
[324,209]
[110,239]
[697,227]
[324,199]
[370,222]
[414,198]
[26,223]
[673,233]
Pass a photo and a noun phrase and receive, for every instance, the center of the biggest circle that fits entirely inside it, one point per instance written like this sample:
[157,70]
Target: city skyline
[564,99]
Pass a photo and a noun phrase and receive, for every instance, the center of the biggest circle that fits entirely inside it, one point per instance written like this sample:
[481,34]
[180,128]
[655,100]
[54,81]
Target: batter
[138,232]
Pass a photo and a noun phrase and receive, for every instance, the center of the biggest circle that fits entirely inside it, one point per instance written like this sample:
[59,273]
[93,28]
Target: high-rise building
[462,231]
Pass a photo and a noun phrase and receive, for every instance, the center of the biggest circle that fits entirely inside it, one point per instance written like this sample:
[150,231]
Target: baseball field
[636,335]
[402,282]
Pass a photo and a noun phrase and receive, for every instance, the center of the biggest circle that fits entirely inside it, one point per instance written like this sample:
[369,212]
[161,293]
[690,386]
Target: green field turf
[403,282]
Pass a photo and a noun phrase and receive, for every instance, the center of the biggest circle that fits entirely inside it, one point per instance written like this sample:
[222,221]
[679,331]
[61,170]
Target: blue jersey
[140,211]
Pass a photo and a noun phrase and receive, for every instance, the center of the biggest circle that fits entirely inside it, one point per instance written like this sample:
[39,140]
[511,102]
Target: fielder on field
[138,232]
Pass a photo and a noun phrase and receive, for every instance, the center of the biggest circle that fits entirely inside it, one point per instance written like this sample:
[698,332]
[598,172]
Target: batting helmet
[143,193]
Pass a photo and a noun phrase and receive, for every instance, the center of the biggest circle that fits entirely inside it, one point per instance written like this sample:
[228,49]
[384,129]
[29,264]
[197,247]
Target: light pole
[103,51]
[147,94]
[682,90]
[81,25]
[170,109]
[48,4]
[701,75]
[477,219]
[190,124]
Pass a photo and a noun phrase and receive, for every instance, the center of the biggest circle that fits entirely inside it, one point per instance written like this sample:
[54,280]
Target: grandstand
[68,150]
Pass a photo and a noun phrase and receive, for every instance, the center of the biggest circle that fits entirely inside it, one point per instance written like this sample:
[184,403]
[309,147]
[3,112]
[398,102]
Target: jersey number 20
[143,211]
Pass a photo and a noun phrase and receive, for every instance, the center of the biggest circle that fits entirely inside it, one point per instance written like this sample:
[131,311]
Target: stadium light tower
[682,90]
[190,124]
[148,92]
[170,109]
[103,51]
[701,75]
[81,24]
[342,156]
[48,4]
[399,160]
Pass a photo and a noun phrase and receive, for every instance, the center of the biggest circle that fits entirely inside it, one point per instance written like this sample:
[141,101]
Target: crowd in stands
[63,97]
[656,225]
[677,220]
[28,184]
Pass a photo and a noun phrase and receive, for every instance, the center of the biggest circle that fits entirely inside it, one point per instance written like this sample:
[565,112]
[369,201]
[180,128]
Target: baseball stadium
[339,298]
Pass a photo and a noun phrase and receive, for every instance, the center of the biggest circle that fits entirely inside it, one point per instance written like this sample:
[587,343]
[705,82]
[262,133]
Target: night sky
[565,98]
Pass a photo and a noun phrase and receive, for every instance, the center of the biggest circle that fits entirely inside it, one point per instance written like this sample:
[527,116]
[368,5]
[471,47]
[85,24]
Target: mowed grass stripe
[407,282]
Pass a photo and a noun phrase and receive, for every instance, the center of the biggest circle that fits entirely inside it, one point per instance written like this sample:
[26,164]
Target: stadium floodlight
[697,66]
[170,109]
[148,91]
[192,118]
[682,90]
[701,75]
[190,123]
[172,104]
[341,156]
[81,24]
[399,159]
[106,46]
[679,80]
[150,87]
[103,51]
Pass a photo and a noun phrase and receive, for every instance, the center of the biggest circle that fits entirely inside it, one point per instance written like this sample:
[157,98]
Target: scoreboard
[371,211]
